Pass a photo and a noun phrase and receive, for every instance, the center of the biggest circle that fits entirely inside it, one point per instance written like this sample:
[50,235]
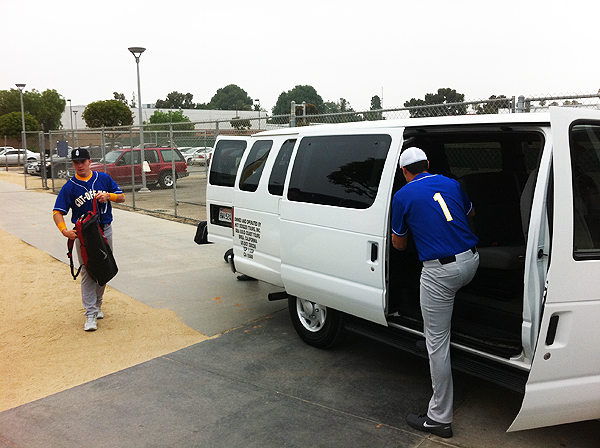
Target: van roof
[458,120]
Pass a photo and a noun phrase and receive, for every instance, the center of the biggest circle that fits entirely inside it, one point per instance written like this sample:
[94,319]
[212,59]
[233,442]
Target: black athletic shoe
[424,423]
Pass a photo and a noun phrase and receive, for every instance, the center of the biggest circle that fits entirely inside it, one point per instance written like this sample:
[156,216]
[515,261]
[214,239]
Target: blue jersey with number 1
[78,194]
[435,209]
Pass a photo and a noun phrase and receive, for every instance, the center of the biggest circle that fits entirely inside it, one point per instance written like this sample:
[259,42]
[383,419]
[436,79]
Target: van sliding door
[334,220]
[564,381]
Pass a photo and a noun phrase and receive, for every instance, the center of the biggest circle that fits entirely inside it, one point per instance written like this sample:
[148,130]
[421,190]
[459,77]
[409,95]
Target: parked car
[58,167]
[201,155]
[117,164]
[308,209]
[12,156]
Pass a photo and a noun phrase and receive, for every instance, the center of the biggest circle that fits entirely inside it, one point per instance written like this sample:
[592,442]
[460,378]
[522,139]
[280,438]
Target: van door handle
[552,326]
[374,252]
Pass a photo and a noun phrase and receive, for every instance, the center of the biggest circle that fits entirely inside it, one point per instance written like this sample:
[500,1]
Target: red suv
[118,166]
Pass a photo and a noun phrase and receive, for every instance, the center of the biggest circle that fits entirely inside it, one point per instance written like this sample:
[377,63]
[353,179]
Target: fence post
[216,129]
[293,115]
[43,161]
[173,171]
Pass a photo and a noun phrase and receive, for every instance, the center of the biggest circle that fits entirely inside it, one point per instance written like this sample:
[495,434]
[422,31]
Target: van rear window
[342,170]
[225,162]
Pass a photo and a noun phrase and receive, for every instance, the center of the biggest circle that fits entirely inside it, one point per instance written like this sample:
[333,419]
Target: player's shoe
[90,323]
[100,314]
[424,423]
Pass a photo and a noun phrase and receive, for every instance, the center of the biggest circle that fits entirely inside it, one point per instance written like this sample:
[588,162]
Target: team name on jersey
[88,196]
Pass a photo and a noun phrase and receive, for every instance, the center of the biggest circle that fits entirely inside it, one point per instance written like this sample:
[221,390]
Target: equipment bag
[95,252]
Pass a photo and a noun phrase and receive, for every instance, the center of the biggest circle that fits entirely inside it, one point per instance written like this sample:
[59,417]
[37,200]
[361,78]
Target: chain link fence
[168,147]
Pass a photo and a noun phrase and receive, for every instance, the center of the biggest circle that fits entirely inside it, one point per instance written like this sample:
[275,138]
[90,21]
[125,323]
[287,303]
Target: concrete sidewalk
[159,263]
[257,385]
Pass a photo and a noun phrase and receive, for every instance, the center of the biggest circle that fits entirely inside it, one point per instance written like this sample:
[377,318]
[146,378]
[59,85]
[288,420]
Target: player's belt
[452,258]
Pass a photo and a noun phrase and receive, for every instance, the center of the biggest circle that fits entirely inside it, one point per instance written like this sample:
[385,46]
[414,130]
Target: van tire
[166,180]
[313,328]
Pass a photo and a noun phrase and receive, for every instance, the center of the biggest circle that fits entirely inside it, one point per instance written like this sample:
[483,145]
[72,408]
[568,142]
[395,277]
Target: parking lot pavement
[260,386]
[257,384]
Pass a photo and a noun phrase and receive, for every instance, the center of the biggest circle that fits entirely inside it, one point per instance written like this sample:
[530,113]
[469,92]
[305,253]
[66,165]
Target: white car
[12,156]
[201,155]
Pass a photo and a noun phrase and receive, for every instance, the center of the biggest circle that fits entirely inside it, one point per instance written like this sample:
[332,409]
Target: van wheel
[316,325]
[166,180]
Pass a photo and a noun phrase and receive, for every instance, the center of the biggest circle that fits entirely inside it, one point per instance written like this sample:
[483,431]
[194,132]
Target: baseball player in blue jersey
[77,195]
[436,210]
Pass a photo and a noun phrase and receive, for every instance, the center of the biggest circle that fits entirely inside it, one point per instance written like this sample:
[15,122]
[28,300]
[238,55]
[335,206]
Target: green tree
[376,106]
[170,117]
[47,107]
[298,94]
[442,97]
[492,107]
[230,97]
[121,97]
[11,124]
[176,100]
[107,113]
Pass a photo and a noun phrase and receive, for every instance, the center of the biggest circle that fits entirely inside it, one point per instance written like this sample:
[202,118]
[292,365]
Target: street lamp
[75,133]
[137,52]
[23,134]
[71,119]
[257,101]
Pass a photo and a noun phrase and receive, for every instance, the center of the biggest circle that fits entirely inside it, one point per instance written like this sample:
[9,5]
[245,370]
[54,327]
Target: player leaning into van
[77,195]
[436,210]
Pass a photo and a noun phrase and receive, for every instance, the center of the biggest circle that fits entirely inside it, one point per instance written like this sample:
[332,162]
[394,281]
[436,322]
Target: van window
[254,165]
[343,170]
[585,168]
[169,155]
[225,162]
[280,168]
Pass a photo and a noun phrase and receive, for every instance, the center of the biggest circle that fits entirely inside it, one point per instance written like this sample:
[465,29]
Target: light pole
[75,130]
[137,52]
[71,119]
[257,101]
[23,134]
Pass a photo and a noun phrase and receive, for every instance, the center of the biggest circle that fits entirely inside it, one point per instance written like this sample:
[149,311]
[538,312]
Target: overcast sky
[347,49]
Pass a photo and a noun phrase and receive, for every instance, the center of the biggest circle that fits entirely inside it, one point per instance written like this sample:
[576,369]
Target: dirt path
[43,348]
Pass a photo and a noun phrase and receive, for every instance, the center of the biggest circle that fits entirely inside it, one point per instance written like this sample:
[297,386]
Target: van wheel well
[316,325]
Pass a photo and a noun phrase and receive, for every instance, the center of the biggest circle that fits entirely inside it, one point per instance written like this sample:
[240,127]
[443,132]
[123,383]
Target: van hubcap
[311,314]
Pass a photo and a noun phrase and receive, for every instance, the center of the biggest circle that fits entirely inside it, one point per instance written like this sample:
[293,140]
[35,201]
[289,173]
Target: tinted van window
[343,170]
[225,162]
[254,165]
[585,167]
[280,168]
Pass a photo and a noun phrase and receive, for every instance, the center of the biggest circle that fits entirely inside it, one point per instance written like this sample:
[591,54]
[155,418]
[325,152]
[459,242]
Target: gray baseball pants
[439,284]
[91,292]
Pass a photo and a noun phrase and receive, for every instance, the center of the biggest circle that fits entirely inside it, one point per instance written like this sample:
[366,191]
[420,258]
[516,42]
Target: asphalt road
[255,384]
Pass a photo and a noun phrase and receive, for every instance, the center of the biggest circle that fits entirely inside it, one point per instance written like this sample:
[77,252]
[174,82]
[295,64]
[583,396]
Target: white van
[310,212]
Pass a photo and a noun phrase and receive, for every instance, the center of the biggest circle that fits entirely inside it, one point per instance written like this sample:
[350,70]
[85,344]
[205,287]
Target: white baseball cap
[411,155]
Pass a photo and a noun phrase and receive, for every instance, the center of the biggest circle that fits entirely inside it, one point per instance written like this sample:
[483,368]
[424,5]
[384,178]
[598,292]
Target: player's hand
[71,234]
[103,197]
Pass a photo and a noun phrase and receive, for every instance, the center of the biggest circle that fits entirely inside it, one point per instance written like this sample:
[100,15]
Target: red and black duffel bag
[95,251]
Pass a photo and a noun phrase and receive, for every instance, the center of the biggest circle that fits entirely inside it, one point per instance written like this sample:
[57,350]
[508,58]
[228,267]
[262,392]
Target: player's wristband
[61,226]
[113,197]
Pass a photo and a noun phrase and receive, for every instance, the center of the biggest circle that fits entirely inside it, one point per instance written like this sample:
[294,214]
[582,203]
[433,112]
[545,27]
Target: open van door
[564,381]
[335,219]
[224,166]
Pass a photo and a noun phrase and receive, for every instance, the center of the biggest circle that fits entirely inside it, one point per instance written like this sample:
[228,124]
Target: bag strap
[70,244]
